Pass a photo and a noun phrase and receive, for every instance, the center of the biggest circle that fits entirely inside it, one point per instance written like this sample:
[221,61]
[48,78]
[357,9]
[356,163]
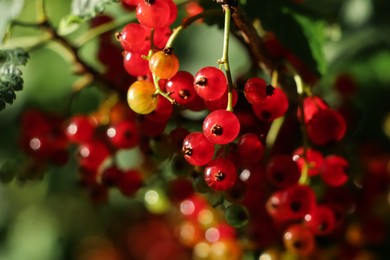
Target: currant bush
[259,154]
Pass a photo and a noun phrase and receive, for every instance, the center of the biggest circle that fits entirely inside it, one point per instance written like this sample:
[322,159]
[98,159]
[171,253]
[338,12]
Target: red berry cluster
[271,194]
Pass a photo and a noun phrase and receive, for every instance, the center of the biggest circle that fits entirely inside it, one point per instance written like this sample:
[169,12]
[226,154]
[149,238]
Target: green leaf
[82,11]
[10,75]
[9,10]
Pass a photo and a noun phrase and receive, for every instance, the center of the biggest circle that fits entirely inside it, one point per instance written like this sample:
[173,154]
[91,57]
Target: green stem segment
[225,56]
[305,142]
[160,92]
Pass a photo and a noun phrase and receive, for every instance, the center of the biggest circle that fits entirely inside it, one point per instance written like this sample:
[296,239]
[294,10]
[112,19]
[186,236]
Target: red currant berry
[282,171]
[298,200]
[210,83]
[256,90]
[220,174]
[141,97]
[321,220]
[123,135]
[80,129]
[311,105]
[326,126]
[172,11]
[109,176]
[135,64]
[250,148]
[221,127]
[314,158]
[273,107]
[92,154]
[153,13]
[164,64]
[197,149]
[133,37]
[334,170]
[299,240]
[181,87]
[129,182]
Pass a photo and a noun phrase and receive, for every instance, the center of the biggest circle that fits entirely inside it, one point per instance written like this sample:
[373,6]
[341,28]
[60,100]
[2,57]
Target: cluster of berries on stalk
[230,155]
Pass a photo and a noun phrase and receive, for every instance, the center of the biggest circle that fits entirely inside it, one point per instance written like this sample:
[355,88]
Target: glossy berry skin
[80,129]
[256,90]
[291,203]
[314,158]
[133,37]
[141,97]
[250,148]
[221,103]
[129,182]
[326,126]
[282,171]
[334,170]
[164,64]
[181,87]
[197,149]
[220,174]
[134,64]
[221,127]
[299,240]
[163,111]
[311,105]
[92,154]
[321,220]
[153,14]
[172,11]
[123,135]
[210,83]
[273,107]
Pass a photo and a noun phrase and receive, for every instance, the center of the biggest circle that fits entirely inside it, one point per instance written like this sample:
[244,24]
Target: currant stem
[160,92]
[225,56]
[305,142]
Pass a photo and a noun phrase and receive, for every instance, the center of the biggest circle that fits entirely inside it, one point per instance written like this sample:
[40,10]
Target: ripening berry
[141,97]
[220,174]
[221,127]
[299,240]
[164,64]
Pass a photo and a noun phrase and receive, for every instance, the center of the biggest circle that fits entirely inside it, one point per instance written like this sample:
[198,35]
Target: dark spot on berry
[217,130]
[184,94]
[279,177]
[187,150]
[168,51]
[128,134]
[150,2]
[295,206]
[269,90]
[219,176]
[297,244]
[201,81]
